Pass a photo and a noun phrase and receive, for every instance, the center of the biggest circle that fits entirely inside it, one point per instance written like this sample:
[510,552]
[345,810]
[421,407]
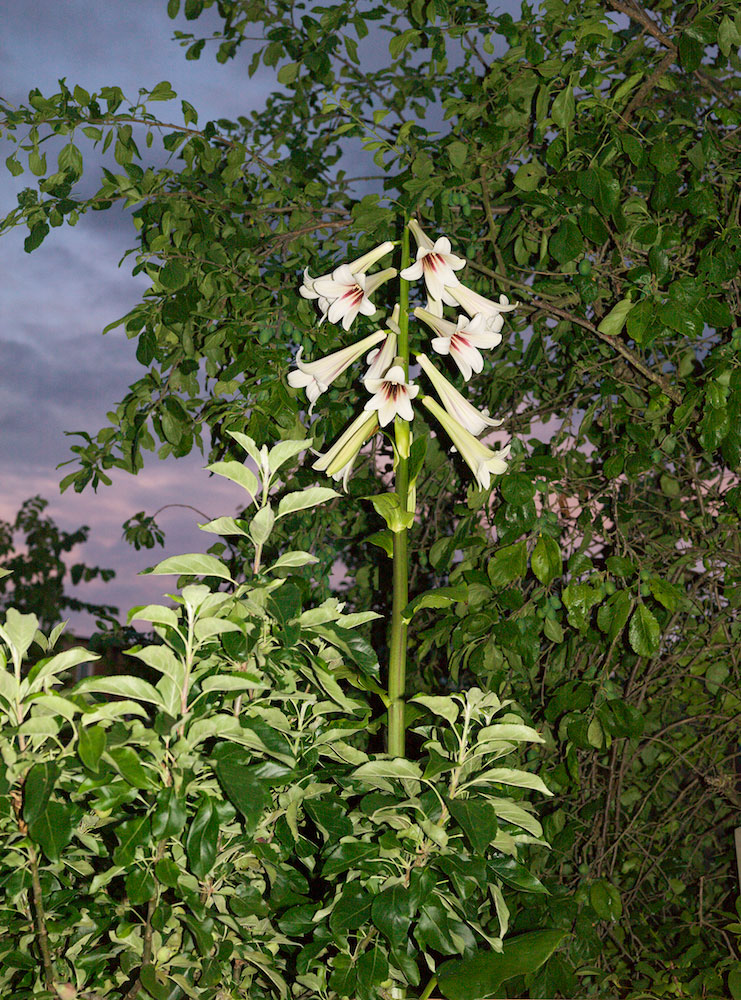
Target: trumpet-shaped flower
[317,376]
[479,305]
[434,262]
[382,358]
[481,460]
[338,461]
[346,293]
[392,395]
[462,341]
[457,405]
[358,266]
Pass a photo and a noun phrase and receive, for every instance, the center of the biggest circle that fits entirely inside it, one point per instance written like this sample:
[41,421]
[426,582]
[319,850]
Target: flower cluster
[345,293]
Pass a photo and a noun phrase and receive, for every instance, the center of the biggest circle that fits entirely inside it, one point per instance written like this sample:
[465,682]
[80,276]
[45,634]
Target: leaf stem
[398,645]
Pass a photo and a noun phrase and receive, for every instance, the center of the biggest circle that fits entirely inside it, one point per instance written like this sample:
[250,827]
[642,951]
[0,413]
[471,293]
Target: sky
[57,373]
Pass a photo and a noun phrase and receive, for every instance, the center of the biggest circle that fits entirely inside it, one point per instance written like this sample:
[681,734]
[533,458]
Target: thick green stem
[398,646]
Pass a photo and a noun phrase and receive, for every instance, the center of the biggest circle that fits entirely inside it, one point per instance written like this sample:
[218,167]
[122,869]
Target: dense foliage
[585,158]
[228,831]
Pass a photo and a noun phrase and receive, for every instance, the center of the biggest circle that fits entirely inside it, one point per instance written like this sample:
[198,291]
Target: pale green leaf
[191,564]
[305,498]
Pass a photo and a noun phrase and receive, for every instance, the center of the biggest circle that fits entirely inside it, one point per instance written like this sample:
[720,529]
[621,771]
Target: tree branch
[617,345]
[40,919]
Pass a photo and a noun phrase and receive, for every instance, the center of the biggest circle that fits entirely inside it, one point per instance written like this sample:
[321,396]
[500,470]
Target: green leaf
[448,708]
[567,242]
[457,154]
[440,598]
[37,789]
[352,910]
[529,175]
[288,73]
[564,108]
[305,498]
[482,975]
[388,506]
[280,453]
[237,473]
[605,900]
[508,564]
[734,981]
[52,830]
[191,564]
[122,687]
[173,275]
[167,872]
[140,886]
[131,834]
[377,771]
[614,321]
[130,768]
[601,187]
[154,613]
[644,632]
[241,783]
[19,630]
[261,525]
[162,91]
[514,873]
[169,815]
[477,819]
[293,559]
[384,539]
[91,744]
[546,560]
[202,839]
[371,969]
[517,488]
[392,912]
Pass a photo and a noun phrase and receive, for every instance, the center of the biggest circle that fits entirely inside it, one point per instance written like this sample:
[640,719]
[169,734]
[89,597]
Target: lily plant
[341,297]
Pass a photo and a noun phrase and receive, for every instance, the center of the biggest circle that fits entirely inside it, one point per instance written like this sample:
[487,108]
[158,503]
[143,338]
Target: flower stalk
[398,642]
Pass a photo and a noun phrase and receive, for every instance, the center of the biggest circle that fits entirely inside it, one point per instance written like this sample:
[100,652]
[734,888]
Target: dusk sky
[57,373]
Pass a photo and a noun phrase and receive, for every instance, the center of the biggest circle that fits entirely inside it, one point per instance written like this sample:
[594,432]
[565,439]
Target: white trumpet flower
[358,266]
[338,461]
[382,358]
[481,460]
[457,405]
[434,262]
[347,293]
[392,396]
[462,340]
[317,376]
[479,305]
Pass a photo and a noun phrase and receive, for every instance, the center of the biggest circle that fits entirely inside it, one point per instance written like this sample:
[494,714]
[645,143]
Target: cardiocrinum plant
[225,829]
[343,295]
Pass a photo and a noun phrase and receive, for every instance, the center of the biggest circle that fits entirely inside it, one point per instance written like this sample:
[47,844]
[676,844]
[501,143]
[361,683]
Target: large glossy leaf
[477,819]
[392,911]
[482,975]
[352,909]
[202,840]
[169,815]
[37,789]
[241,783]
[52,830]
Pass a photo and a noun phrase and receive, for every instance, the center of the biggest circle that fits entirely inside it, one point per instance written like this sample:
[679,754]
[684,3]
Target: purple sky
[57,373]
